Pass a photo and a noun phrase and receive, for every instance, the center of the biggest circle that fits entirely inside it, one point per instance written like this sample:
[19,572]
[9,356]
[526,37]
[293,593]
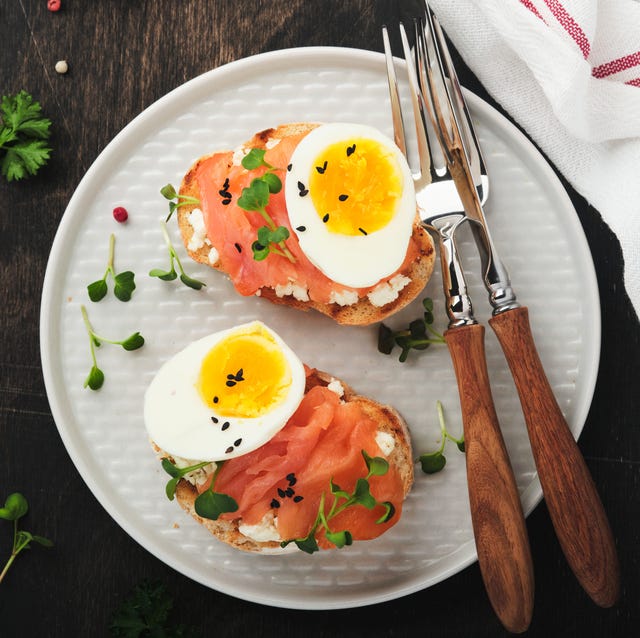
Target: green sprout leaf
[211,505]
[254,197]
[95,379]
[434,462]
[176,200]
[419,335]
[15,507]
[255,159]
[171,274]
[339,539]
[124,282]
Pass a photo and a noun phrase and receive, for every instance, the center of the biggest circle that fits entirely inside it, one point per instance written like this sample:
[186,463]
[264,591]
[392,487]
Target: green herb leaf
[211,504]
[254,197]
[170,488]
[260,252]
[377,466]
[390,510]
[95,380]
[168,191]
[336,490]
[362,495]
[45,542]
[432,463]
[165,275]
[133,342]
[308,545]
[97,290]
[145,613]
[273,182]
[23,131]
[191,282]
[124,285]
[170,468]
[339,539]
[419,335]
[254,159]
[15,507]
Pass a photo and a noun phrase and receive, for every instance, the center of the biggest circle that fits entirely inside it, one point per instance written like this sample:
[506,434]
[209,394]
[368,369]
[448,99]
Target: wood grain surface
[123,55]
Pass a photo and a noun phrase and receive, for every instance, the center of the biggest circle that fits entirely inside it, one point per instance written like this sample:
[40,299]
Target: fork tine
[446,79]
[419,109]
[394,95]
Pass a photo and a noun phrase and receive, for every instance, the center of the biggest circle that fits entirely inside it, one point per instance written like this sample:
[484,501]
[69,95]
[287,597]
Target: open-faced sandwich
[316,216]
[267,453]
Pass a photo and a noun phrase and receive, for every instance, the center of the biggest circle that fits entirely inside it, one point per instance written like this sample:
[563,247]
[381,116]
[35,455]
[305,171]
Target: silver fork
[498,521]
[574,505]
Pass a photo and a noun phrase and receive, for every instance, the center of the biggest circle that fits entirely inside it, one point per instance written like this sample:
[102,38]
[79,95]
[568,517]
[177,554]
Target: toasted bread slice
[363,311]
[389,421]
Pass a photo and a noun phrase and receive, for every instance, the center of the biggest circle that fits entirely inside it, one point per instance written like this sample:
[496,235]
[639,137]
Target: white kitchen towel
[568,71]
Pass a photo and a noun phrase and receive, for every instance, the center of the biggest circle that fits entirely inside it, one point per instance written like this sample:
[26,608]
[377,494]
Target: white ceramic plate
[534,226]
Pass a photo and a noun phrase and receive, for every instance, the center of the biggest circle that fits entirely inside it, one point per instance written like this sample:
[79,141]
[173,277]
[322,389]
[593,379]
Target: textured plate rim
[51,295]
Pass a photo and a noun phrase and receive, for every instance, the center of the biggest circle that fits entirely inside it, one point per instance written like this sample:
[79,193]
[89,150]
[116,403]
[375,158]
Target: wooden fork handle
[574,506]
[499,527]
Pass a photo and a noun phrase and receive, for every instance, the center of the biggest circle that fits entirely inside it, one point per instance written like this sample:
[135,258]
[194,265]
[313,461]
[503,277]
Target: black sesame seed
[215,399]
[214,419]
[230,383]
[303,193]
[297,499]
[226,183]
[291,477]
[289,491]
[301,229]
[325,219]
[238,247]
[343,198]
[229,450]
[275,503]
[301,186]
[351,149]
[225,425]
[363,231]
[289,167]
[322,169]
[226,202]
[281,493]
[237,442]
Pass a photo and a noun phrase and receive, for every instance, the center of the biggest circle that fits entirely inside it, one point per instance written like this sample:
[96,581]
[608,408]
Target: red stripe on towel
[570,26]
[635,82]
[617,65]
[532,8]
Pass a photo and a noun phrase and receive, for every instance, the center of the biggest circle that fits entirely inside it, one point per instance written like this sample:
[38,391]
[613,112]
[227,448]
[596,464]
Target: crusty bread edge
[389,420]
[363,312]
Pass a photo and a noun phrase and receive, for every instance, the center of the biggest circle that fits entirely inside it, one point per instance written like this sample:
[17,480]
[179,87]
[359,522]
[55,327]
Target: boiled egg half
[351,202]
[225,394]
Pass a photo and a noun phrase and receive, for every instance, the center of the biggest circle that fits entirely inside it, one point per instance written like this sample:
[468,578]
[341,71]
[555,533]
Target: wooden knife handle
[499,527]
[574,506]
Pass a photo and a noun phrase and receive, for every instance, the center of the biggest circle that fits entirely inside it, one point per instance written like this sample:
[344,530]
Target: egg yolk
[245,375]
[355,186]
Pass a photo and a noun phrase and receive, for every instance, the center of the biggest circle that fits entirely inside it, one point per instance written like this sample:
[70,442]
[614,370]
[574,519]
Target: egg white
[180,423]
[357,261]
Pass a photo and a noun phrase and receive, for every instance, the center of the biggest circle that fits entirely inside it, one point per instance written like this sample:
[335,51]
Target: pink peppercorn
[120,214]
[53,5]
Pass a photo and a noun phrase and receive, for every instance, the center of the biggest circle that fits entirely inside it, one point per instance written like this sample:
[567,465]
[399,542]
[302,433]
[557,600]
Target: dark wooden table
[123,55]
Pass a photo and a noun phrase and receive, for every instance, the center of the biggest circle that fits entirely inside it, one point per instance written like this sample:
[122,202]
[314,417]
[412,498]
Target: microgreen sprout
[124,283]
[255,197]
[209,504]
[15,507]
[418,336]
[435,461]
[95,379]
[361,495]
[171,274]
[176,200]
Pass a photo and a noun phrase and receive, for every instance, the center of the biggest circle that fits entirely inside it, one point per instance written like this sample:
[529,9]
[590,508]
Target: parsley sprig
[176,200]
[171,274]
[15,507]
[124,282]
[361,495]
[23,135]
[209,504]
[435,461]
[418,336]
[145,612]
[255,197]
[95,379]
